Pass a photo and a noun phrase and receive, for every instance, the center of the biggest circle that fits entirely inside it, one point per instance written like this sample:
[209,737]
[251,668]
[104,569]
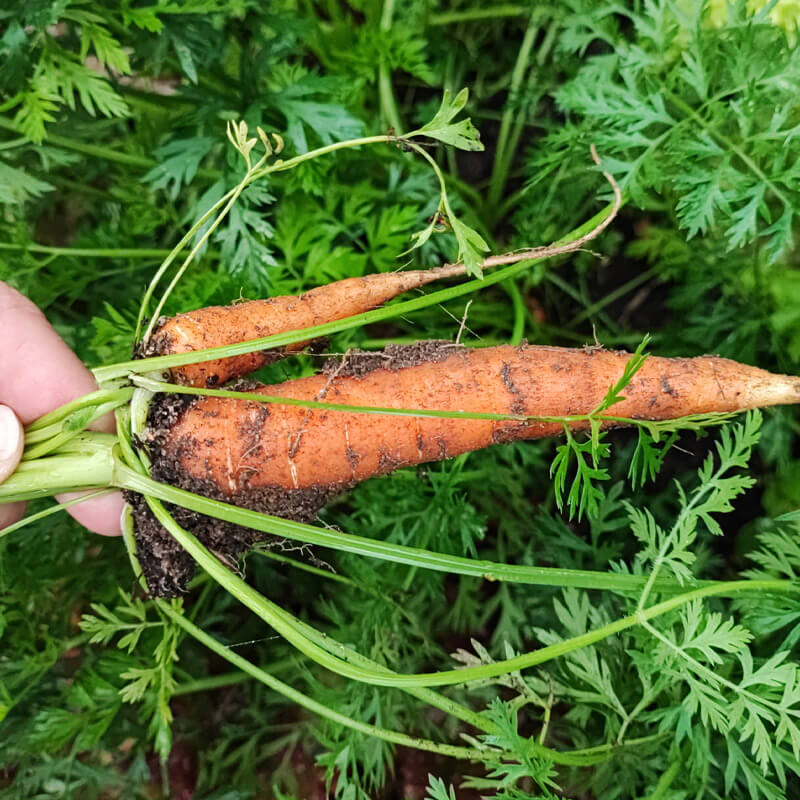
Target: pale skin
[41,373]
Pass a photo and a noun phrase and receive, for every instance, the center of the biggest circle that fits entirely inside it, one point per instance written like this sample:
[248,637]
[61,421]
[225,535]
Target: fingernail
[12,441]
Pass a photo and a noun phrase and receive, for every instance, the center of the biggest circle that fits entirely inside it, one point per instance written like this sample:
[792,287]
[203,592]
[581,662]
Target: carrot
[242,322]
[216,326]
[256,453]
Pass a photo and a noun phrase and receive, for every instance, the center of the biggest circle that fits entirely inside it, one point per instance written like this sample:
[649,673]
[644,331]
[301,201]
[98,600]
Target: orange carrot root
[216,326]
[235,447]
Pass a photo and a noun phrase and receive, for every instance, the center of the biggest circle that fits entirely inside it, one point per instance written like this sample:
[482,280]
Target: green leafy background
[112,122]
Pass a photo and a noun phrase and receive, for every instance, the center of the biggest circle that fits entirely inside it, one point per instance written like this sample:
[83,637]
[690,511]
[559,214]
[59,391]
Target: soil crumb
[356,363]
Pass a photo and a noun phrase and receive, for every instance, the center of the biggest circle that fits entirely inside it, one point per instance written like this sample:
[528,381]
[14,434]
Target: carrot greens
[611,614]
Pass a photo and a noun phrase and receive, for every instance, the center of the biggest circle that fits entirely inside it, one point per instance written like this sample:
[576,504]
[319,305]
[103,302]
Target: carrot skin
[238,446]
[216,326]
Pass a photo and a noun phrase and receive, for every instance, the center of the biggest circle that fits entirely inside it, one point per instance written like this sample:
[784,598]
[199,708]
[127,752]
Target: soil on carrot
[356,363]
[166,566]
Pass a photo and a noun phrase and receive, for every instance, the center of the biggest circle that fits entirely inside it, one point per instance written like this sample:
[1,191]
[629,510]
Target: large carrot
[290,459]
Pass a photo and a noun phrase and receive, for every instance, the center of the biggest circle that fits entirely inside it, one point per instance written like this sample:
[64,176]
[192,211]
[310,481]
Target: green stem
[145,304]
[502,159]
[290,628]
[312,705]
[612,297]
[153,385]
[98,151]
[52,510]
[88,252]
[677,526]
[388,104]
[215,682]
[380,344]
[518,305]
[66,434]
[577,758]
[358,545]
[281,621]
[490,12]
[234,196]
[93,399]
[12,144]
[321,648]
[502,207]
[138,465]
[61,473]
[666,780]
[310,568]
[597,415]
[225,203]
[282,166]
[231,678]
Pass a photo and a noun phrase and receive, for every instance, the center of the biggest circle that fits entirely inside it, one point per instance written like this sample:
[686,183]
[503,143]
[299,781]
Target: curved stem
[352,664]
[62,412]
[148,294]
[315,707]
[291,163]
[253,174]
[291,629]
[68,432]
[233,197]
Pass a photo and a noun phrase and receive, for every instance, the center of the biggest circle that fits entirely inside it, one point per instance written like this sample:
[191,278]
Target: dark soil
[356,363]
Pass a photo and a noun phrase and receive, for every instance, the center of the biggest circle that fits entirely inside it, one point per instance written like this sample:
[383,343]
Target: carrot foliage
[625,603]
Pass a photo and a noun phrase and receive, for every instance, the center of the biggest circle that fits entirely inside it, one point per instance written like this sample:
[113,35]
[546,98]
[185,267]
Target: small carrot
[217,326]
[238,449]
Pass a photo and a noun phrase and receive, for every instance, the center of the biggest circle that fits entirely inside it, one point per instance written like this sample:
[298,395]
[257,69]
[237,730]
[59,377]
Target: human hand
[40,373]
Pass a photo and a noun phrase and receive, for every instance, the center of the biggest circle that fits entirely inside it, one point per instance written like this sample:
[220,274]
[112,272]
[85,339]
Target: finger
[101,515]
[10,513]
[12,442]
[41,373]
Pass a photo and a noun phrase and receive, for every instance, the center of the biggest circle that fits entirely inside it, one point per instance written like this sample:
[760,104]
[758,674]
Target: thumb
[12,441]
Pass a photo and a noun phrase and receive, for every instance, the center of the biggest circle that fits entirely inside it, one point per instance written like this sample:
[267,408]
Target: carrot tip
[776,390]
